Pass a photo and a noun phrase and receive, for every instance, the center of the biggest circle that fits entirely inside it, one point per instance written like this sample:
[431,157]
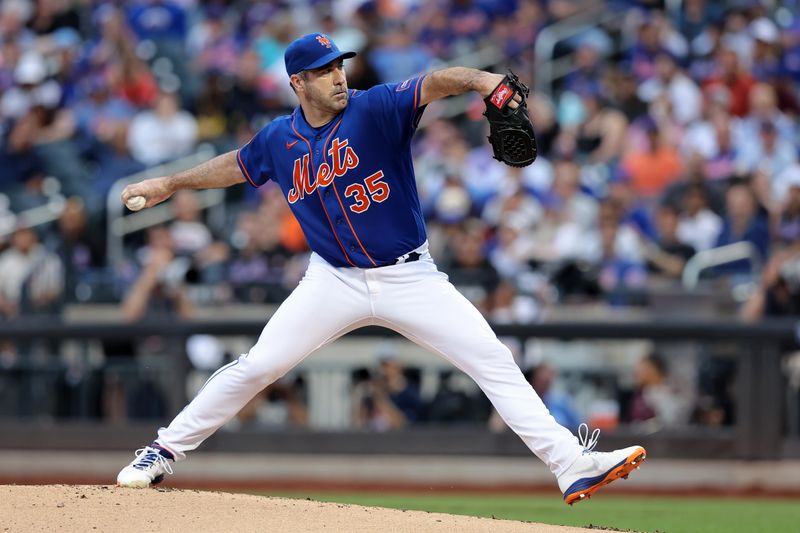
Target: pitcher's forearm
[221,171]
[457,80]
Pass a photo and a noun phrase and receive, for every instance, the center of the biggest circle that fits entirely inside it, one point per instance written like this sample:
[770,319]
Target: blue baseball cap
[312,51]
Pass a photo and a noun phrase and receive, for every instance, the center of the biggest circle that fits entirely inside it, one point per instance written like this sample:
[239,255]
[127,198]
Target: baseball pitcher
[343,161]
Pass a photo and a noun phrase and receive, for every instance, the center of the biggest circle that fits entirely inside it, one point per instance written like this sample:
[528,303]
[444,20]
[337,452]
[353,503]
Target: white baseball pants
[414,299]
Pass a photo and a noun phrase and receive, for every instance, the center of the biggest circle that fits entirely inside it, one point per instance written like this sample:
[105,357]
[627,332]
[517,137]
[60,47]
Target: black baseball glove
[511,132]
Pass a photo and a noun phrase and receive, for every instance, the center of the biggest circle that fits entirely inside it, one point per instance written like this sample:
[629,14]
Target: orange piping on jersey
[313,173]
[347,218]
[241,166]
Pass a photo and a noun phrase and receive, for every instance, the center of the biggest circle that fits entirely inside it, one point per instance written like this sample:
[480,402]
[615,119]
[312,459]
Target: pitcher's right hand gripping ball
[147,193]
[511,132]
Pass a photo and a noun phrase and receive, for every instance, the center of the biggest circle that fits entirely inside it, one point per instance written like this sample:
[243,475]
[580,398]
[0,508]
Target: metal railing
[35,216]
[549,69]
[120,224]
[715,257]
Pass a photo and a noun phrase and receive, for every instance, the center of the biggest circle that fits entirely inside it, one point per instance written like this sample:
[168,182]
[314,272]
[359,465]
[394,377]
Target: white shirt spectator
[701,230]
[627,245]
[753,157]
[683,94]
[40,269]
[789,177]
[162,134]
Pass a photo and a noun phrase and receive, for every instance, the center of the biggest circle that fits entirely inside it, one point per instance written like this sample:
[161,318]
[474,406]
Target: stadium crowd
[674,132]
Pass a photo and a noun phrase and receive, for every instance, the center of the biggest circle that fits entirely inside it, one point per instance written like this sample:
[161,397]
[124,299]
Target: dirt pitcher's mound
[81,508]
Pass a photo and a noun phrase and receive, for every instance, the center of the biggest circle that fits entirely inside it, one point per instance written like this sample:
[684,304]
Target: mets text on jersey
[344,158]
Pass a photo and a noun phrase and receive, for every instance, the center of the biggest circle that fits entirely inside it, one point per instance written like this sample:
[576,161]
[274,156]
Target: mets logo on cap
[324,41]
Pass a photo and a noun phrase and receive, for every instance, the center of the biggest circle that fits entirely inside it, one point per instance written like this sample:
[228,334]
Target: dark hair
[658,363]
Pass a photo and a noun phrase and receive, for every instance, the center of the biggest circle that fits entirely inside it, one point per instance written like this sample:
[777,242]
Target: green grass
[638,513]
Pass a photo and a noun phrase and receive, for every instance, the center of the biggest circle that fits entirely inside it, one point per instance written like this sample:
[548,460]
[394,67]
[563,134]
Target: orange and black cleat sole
[622,470]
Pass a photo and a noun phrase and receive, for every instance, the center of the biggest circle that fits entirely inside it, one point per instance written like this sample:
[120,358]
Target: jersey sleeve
[255,160]
[397,105]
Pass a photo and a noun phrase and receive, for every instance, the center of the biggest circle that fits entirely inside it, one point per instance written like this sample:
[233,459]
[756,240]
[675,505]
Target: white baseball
[135,203]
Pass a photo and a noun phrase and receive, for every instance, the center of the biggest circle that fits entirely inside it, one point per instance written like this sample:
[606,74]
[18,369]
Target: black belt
[410,258]
[407,258]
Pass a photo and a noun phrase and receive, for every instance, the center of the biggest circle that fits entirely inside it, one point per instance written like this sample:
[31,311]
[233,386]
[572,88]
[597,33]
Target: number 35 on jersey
[343,159]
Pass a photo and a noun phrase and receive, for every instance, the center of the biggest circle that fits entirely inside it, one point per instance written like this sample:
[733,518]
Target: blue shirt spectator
[743,223]
[159,20]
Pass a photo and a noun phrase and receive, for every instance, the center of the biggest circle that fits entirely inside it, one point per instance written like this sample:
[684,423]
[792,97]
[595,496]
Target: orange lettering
[300,180]
[324,175]
[336,145]
[350,159]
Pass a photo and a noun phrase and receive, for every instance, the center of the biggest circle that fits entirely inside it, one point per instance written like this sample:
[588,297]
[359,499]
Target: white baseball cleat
[593,470]
[149,468]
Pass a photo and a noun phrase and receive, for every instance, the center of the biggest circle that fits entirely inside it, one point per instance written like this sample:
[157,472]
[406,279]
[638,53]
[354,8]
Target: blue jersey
[349,183]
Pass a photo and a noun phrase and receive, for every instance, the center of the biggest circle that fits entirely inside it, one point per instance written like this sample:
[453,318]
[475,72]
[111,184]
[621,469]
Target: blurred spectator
[50,15]
[763,108]
[710,143]
[457,401]
[469,22]
[600,136]
[398,57]
[469,269]
[556,238]
[641,58]
[654,166]
[622,88]
[132,79]
[698,227]
[37,133]
[387,400]
[258,264]
[212,122]
[695,16]
[635,213]
[513,201]
[577,206]
[654,401]
[192,238]
[767,153]
[731,76]
[244,105]
[621,267]
[32,280]
[672,91]
[743,223]
[436,34]
[765,54]
[162,133]
[514,247]
[79,249]
[214,46]
[667,255]
[451,203]
[102,120]
[542,377]
[789,220]
[512,306]
[778,290]
[159,20]
[160,288]
[589,51]
[281,404]
[14,14]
